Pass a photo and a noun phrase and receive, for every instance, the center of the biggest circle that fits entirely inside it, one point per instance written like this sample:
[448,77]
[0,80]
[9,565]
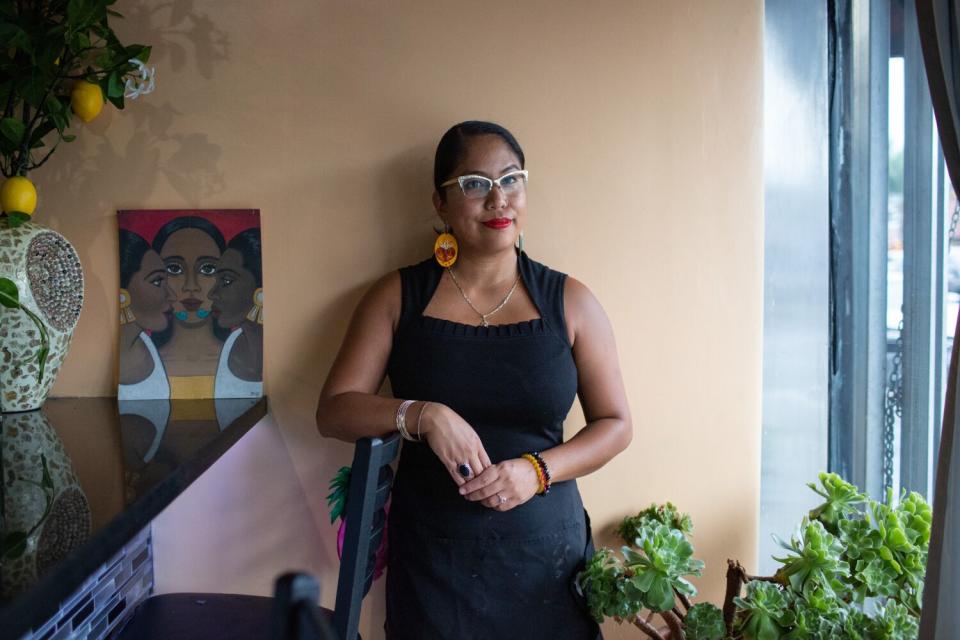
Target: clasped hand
[500,486]
[503,486]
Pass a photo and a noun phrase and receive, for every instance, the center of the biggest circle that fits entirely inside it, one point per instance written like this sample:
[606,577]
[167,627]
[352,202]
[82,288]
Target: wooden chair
[205,616]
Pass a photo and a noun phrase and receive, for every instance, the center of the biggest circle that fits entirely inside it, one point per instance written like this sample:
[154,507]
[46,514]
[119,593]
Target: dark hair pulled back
[247,243]
[132,249]
[188,222]
[452,147]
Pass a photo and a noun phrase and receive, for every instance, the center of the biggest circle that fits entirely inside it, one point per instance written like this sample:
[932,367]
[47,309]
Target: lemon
[18,194]
[86,100]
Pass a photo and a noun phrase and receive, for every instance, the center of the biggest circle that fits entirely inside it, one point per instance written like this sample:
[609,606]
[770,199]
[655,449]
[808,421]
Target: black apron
[458,570]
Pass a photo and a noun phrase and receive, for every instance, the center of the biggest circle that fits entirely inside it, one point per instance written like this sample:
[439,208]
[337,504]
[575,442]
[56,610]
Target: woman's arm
[608,430]
[349,407]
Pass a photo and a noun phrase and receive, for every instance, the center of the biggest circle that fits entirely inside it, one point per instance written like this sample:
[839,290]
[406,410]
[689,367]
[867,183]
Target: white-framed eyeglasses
[474,186]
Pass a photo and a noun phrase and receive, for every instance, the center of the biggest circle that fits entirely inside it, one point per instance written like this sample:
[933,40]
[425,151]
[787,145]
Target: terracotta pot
[46,269]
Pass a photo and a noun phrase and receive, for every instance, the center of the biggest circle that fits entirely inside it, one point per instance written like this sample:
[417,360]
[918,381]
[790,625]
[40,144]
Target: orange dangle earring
[445,248]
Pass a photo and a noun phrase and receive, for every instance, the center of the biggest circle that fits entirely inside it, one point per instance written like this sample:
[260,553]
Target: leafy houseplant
[337,501]
[853,570]
[57,49]
[59,60]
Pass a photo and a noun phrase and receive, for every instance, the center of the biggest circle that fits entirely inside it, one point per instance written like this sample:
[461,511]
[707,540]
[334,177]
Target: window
[895,255]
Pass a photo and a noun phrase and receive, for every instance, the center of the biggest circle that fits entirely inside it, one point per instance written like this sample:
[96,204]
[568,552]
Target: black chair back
[371,479]
[293,614]
[296,615]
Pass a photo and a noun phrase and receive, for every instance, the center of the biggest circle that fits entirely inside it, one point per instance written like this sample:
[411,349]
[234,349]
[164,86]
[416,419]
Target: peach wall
[641,121]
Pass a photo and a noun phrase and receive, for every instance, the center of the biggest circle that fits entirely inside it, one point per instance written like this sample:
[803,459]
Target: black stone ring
[464,470]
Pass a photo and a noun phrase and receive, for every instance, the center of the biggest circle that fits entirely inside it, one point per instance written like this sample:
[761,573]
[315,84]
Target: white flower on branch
[142,85]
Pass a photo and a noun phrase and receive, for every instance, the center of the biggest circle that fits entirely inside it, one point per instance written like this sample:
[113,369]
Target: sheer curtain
[939,23]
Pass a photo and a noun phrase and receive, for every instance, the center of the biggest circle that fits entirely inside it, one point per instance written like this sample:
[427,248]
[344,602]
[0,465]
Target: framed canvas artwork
[191,304]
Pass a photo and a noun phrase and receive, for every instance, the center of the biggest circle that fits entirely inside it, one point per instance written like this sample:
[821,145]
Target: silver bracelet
[401,419]
[420,417]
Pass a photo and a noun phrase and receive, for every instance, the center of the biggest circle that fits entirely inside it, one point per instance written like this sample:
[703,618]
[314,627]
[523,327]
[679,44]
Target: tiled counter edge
[106,598]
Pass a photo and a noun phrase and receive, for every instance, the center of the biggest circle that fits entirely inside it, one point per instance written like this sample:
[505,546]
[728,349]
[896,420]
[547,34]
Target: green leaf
[35,91]
[337,499]
[16,218]
[48,51]
[104,59]
[80,13]
[42,354]
[44,349]
[12,129]
[115,86]
[644,580]
[660,596]
[893,622]
[20,41]
[704,622]
[14,545]
[8,31]
[7,148]
[57,107]
[9,294]
[69,138]
[815,560]
[46,482]
[631,526]
[44,127]
[762,611]
[139,51]
[842,499]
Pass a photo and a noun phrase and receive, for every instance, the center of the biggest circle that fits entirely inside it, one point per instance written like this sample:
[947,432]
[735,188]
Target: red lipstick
[498,223]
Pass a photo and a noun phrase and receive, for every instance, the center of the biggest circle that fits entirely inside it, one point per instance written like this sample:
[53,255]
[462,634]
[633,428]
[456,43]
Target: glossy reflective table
[82,477]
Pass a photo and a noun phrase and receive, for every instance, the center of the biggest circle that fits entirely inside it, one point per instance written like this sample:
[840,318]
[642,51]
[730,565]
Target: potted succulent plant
[853,570]
[61,60]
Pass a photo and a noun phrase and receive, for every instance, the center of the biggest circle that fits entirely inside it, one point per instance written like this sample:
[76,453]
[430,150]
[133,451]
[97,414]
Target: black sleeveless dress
[458,570]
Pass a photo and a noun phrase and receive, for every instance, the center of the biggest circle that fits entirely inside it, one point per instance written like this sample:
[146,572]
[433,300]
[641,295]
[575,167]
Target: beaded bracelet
[541,479]
[546,472]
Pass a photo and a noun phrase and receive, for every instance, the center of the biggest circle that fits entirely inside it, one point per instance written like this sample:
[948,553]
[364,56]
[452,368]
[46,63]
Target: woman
[491,351]
[237,299]
[145,298]
[190,247]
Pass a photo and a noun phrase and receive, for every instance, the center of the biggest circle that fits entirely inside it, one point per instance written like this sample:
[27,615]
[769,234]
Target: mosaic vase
[46,269]
[46,513]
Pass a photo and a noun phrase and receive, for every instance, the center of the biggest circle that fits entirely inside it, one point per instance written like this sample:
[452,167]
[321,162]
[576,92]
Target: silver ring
[464,470]
[501,498]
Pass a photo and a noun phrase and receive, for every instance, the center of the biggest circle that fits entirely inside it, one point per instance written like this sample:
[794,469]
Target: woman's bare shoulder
[382,298]
[387,286]
[581,308]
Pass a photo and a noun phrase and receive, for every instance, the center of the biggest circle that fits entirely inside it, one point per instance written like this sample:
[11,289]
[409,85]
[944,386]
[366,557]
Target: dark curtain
[939,22]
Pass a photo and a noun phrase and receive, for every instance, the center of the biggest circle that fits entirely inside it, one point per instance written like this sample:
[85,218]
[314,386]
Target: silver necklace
[484,316]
